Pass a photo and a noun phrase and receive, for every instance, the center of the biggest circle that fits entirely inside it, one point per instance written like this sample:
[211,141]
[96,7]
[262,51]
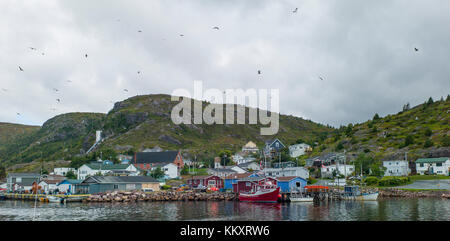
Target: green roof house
[432,166]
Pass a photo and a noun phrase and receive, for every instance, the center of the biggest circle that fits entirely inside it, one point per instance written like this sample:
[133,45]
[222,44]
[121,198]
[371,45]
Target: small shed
[290,184]
[69,186]
[100,184]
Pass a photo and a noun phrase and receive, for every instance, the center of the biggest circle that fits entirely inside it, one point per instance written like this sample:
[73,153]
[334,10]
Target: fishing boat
[54,199]
[266,192]
[299,197]
[354,193]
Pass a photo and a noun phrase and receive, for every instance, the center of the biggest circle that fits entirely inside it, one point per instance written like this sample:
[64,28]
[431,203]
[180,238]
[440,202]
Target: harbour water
[381,210]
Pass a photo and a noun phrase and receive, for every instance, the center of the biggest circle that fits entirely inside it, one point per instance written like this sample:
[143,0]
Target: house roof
[432,160]
[120,179]
[98,166]
[287,179]
[71,181]
[155,157]
[201,177]
[250,144]
[18,174]
[238,175]
[247,164]
[222,170]
[51,181]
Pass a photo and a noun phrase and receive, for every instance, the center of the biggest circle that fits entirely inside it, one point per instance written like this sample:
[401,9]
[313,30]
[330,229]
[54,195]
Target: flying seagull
[259,71]
[125,90]
[86,55]
[69,81]
[32,48]
[4,89]
[295,10]
[139,72]
[320,78]
[416,49]
[181,35]
[216,28]
[58,100]
[20,68]
[43,53]
[139,31]
[18,113]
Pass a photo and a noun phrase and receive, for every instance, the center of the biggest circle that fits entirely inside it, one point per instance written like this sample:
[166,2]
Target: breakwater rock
[392,192]
[137,196]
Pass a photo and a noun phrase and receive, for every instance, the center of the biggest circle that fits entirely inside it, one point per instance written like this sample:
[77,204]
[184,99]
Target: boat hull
[364,197]
[270,196]
[301,199]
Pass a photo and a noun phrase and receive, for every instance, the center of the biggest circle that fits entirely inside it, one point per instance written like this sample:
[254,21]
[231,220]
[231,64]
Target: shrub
[371,181]
[166,187]
[393,181]
[428,143]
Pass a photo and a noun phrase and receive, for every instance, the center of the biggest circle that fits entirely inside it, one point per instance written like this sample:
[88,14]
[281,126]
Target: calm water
[385,209]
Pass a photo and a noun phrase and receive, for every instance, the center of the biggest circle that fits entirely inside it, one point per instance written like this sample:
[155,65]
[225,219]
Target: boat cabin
[251,184]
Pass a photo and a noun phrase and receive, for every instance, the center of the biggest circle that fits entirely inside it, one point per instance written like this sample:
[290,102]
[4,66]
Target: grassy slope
[387,140]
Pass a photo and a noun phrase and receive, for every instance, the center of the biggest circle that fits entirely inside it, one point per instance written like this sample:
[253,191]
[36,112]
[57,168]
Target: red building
[249,183]
[205,181]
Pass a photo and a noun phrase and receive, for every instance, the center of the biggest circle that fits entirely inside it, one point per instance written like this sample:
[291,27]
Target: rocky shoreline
[392,192]
[137,196]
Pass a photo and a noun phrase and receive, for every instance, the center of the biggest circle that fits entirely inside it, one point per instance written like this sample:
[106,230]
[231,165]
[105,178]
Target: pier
[43,197]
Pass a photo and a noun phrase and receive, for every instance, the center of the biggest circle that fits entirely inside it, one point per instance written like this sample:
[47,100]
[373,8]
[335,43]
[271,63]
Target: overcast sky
[363,50]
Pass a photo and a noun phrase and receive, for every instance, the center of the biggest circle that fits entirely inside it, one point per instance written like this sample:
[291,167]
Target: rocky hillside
[421,131]
[144,122]
[11,132]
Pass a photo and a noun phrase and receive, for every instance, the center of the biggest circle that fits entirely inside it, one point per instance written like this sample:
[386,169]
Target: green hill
[422,131]
[144,122]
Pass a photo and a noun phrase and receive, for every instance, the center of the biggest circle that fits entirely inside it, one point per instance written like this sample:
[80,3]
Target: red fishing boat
[265,192]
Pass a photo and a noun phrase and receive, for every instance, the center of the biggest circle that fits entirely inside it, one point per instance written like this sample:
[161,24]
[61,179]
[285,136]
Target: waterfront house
[93,169]
[249,183]
[21,181]
[170,170]
[48,185]
[430,166]
[62,171]
[250,147]
[299,149]
[101,184]
[233,178]
[396,168]
[287,172]
[205,181]
[69,186]
[147,160]
[291,184]
[345,170]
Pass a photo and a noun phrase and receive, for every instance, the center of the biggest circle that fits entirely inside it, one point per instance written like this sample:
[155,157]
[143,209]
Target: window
[211,182]
[439,164]
[248,184]
[116,186]
[421,164]
[18,179]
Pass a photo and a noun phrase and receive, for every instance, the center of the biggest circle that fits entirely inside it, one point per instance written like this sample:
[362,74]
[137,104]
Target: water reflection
[387,209]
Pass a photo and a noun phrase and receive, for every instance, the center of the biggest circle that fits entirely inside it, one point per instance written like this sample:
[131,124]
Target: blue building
[289,184]
[233,178]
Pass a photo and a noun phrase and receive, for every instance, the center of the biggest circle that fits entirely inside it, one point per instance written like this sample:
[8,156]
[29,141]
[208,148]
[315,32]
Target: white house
[170,170]
[396,168]
[439,166]
[68,186]
[287,172]
[49,185]
[93,169]
[62,171]
[346,170]
[241,159]
[299,149]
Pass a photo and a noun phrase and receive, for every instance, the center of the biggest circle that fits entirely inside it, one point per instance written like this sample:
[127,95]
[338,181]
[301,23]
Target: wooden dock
[43,197]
